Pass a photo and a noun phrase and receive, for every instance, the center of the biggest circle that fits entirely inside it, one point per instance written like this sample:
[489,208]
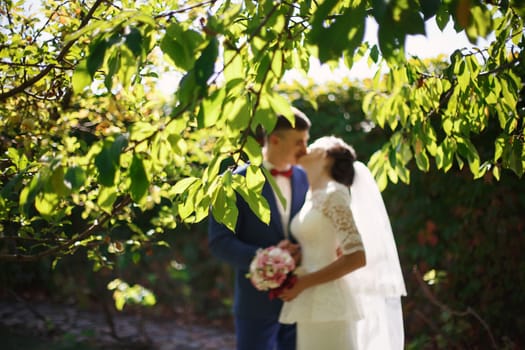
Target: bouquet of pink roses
[271,270]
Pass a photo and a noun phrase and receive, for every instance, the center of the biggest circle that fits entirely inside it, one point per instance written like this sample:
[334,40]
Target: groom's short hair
[302,122]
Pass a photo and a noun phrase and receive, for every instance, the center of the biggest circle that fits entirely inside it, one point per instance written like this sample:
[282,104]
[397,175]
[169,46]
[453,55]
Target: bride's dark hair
[343,167]
[343,155]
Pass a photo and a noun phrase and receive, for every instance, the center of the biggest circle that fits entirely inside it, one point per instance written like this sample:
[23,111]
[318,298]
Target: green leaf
[343,34]
[218,205]
[133,41]
[499,146]
[106,198]
[277,64]
[139,179]
[255,178]
[58,183]
[442,17]
[97,52]
[205,64]
[213,169]
[250,188]
[496,172]
[118,145]
[464,79]
[517,157]
[75,177]
[274,186]
[46,203]
[178,144]
[422,160]
[403,173]
[281,106]
[211,108]
[320,16]
[180,44]
[28,194]
[238,113]
[430,8]
[13,183]
[141,130]
[390,43]
[253,149]
[447,125]
[264,117]
[15,155]
[234,66]
[182,185]
[460,161]
[106,167]
[224,208]
[81,77]
[188,91]
[264,66]
[481,23]
[187,208]
[449,150]
[113,68]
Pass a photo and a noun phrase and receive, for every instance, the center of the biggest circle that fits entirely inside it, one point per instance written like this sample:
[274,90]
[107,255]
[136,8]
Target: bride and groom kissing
[334,223]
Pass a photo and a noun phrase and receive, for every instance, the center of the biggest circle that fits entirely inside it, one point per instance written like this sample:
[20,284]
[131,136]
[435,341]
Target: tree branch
[186,9]
[33,65]
[60,249]
[20,88]
[468,312]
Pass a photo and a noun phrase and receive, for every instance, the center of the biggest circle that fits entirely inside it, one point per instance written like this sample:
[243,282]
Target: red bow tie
[286,173]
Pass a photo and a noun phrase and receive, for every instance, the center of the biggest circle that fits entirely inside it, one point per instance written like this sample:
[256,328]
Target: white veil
[382,274]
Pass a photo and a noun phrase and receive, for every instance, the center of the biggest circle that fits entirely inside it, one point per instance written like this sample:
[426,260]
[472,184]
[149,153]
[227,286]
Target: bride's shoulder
[334,186]
[336,190]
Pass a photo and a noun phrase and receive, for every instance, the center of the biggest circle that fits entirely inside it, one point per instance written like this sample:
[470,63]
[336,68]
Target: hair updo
[343,156]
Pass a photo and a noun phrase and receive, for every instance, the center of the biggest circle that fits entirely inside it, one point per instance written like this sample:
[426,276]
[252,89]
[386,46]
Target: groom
[256,316]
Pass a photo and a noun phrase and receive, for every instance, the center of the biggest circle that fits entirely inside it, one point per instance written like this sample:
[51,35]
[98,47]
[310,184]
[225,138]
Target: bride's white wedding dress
[363,309]
[326,313]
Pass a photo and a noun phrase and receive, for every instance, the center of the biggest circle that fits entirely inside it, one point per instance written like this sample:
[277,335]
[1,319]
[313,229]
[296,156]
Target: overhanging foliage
[89,141]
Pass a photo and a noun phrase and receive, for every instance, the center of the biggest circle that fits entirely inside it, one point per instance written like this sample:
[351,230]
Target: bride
[344,298]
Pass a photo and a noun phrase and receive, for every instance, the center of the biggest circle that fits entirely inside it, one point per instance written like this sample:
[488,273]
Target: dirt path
[58,324]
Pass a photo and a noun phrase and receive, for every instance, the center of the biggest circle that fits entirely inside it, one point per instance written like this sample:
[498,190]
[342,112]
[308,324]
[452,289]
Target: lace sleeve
[337,209]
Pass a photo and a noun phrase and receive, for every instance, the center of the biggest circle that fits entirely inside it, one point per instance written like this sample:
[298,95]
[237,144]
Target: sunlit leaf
[253,149]
[252,195]
[281,107]
[182,185]
[81,77]
[422,160]
[211,108]
[141,130]
[46,203]
[180,44]
[106,198]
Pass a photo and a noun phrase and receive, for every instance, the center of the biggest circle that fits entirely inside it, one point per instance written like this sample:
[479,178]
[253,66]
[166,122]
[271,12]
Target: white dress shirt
[285,186]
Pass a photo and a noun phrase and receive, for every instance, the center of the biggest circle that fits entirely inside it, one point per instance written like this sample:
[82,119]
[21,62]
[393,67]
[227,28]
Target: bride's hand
[289,294]
[293,248]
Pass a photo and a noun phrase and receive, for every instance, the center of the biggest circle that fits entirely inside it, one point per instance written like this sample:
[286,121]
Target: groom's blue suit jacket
[238,248]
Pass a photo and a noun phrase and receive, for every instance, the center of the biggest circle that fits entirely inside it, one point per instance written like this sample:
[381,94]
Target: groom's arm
[226,245]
